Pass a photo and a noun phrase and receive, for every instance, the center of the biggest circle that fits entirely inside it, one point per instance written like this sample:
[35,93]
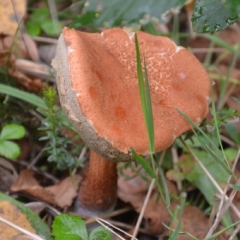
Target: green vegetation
[207,163]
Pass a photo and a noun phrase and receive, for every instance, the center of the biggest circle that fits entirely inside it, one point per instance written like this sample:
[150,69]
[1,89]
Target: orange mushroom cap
[98,88]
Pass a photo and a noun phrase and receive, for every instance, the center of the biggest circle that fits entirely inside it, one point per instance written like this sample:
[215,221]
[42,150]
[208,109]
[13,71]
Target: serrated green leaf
[12,131]
[69,227]
[212,15]
[100,233]
[9,149]
[144,164]
[41,228]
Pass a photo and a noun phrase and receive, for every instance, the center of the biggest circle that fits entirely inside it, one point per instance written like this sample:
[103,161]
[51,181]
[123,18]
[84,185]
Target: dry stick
[228,141]
[37,70]
[37,157]
[210,177]
[235,232]
[45,39]
[223,209]
[126,226]
[213,213]
[105,223]
[143,209]
[111,214]
[83,152]
[175,166]
[32,235]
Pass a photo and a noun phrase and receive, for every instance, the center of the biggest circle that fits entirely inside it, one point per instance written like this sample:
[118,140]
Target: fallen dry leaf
[61,194]
[14,215]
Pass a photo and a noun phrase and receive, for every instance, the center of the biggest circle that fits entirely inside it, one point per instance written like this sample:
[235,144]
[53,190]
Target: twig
[102,221]
[37,157]
[83,152]
[235,232]
[126,226]
[175,166]
[112,214]
[143,209]
[45,39]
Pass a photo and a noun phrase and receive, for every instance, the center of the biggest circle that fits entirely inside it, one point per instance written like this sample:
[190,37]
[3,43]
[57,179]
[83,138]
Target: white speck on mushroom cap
[182,75]
[70,50]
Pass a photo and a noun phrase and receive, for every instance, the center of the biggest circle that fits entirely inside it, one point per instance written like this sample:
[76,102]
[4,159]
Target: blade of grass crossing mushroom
[149,113]
[213,151]
[140,79]
[146,107]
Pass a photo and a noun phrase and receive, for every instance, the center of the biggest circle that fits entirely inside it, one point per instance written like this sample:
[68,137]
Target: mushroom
[98,88]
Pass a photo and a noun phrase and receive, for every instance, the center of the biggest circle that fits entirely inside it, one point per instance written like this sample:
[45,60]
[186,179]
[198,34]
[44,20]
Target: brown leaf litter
[134,191]
[60,194]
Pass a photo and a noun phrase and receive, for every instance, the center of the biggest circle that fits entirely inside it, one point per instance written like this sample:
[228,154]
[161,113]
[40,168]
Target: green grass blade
[25,96]
[236,100]
[177,230]
[234,187]
[144,164]
[222,230]
[149,113]
[165,187]
[140,78]
[217,127]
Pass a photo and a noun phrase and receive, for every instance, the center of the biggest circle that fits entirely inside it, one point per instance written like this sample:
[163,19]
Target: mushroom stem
[98,190]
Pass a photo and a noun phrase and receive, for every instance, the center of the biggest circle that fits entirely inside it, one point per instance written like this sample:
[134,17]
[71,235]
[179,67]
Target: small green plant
[40,21]
[8,148]
[59,146]
[66,226]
